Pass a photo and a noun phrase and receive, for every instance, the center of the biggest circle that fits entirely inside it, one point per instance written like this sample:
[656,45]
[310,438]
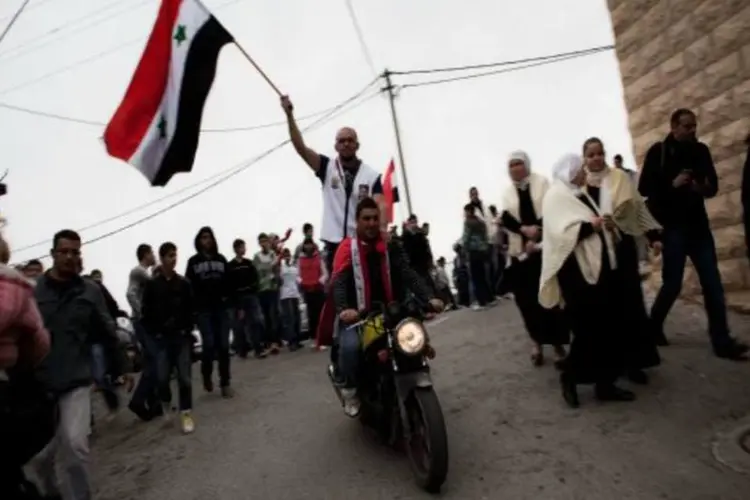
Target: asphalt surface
[284,436]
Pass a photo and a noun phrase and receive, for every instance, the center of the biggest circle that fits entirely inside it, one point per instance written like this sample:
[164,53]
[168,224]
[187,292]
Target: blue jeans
[698,244]
[213,325]
[290,318]
[269,304]
[174,355]
[145,395]
[348,345]
[250,329]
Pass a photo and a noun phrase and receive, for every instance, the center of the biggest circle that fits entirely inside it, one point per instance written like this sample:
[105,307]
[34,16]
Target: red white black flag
[157,125]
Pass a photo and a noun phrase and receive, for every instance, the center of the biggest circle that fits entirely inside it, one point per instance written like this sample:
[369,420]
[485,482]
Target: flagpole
[257,68]
[13,20]
[244,53]
[392,98]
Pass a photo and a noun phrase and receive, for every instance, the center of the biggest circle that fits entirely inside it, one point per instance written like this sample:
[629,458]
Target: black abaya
[640,348]
[545,326]
[596,355]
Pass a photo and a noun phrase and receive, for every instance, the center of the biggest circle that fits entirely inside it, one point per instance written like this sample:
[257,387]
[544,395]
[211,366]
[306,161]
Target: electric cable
[501,71]
[361,37]
[90,59]
[30,7]
[218,178]
[93,123]
[505,62]
[13,19]
[68,29]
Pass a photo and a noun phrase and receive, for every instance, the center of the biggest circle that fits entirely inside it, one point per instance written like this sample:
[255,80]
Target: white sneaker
[476,307]
[351,402]
[187,423]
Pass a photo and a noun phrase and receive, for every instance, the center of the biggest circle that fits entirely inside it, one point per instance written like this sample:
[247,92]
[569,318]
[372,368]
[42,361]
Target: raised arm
[310,156]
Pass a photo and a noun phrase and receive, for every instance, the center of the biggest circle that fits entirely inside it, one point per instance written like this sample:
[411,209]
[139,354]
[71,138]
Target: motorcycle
[395,389]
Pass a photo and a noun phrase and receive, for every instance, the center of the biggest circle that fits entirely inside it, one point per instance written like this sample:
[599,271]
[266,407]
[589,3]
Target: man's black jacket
[678,207]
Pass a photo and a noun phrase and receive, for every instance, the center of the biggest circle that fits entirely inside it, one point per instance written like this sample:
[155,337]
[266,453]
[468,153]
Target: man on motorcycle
[367,271]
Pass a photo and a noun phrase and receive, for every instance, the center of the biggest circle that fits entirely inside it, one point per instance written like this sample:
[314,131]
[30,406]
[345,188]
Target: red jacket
[311,272]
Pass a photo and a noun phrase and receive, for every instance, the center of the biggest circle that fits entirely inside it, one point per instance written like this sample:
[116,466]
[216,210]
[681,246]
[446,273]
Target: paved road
[511,436]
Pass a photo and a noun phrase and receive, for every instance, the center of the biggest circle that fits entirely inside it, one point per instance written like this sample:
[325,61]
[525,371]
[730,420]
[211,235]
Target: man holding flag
[344,178]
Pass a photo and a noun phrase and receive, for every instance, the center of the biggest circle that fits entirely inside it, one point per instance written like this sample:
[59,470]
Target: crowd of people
[567,250]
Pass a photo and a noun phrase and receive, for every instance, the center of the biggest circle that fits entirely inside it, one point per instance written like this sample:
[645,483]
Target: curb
[730,448]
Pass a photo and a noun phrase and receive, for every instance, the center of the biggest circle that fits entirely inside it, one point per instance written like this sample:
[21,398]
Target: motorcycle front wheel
[428,444]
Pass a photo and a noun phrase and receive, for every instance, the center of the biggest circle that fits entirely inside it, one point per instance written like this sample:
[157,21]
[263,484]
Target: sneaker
[186,422]
[261,355]
[227,392]
[351,402]
[476,307]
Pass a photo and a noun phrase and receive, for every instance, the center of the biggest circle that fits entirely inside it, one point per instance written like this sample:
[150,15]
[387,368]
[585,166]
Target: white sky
[455,135]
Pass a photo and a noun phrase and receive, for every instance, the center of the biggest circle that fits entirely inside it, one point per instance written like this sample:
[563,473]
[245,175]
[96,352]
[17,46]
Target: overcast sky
[455,135]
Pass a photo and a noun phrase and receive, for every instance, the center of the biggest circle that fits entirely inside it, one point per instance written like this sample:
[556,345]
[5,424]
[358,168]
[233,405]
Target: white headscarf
[521,156]
[567,168]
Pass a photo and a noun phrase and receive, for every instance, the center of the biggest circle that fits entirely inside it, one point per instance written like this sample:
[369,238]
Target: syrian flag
[157,124]
[390,190]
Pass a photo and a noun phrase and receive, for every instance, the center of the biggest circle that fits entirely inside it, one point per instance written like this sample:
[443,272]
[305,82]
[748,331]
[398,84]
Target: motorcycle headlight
[411,337]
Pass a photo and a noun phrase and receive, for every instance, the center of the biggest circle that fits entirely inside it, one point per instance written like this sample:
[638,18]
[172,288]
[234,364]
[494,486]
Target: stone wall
[694,54]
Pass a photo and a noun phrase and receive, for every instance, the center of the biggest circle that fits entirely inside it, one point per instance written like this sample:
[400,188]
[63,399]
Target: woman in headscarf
[626,216]
[578,274]
[522,218]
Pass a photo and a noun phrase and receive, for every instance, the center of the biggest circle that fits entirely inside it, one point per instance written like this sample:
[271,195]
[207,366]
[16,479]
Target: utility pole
[392,98]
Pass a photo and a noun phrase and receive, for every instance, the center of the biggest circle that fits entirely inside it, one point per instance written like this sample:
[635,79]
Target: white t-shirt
[289,281]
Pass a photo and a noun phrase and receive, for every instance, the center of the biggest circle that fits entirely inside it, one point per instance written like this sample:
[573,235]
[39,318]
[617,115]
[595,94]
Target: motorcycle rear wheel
[428,444]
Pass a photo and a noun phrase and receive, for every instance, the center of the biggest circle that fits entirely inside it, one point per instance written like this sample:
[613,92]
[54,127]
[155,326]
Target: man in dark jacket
[417,248]
[243,296]
[167,310]
[207,273]
[678,175]
[74,313]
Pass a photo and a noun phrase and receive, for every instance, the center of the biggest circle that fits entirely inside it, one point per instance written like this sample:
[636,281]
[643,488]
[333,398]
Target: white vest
[339,219]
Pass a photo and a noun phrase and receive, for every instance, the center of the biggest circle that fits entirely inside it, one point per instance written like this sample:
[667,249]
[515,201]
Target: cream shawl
[563,215]
[538,186]
[619,198]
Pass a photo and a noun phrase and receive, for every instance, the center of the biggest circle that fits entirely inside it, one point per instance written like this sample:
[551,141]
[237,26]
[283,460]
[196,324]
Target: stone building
[694,54]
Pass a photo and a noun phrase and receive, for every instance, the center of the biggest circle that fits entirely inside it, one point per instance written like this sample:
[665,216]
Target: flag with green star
[157,125]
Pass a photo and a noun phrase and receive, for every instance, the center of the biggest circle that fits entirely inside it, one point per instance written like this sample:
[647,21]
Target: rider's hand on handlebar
[349,316]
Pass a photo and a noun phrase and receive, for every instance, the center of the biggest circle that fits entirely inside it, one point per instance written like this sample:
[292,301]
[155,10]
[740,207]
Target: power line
[31,7]
[501,71]
[67,29]
[217,178]
[13,20]
[506,62]
[94,123]
[90,59]
[361,37]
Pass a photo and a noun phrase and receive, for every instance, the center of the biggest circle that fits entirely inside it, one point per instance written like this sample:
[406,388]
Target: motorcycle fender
[407,382]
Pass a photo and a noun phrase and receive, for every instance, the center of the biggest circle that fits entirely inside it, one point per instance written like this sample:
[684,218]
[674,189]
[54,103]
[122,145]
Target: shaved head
[347,143]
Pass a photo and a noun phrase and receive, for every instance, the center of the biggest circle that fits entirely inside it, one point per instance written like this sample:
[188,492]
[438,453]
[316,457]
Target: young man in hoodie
[207,273]
[267,263]
[168,314]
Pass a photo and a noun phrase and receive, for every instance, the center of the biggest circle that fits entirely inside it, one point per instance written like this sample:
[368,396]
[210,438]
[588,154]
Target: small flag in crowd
[390,190]
[157,125]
